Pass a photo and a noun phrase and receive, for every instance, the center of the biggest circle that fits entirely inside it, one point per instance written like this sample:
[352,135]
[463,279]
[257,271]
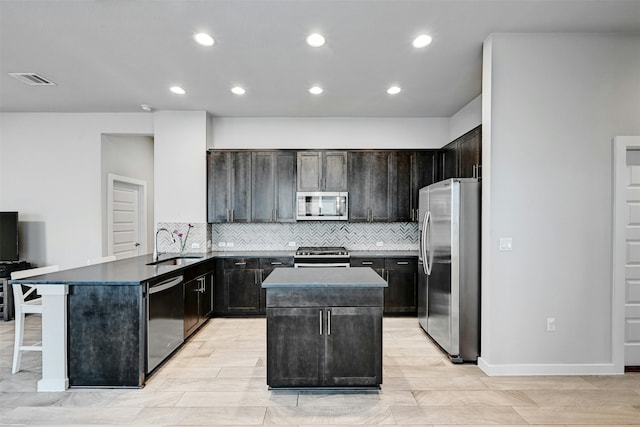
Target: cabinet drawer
[230,263]
[409,263]
[367,262]
[276,262]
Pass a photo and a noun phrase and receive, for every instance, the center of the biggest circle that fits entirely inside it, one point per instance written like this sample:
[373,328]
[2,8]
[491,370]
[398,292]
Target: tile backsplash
[396,236]
[196,240]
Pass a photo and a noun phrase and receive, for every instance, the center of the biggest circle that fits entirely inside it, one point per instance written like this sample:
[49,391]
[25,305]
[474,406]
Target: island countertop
[324,277]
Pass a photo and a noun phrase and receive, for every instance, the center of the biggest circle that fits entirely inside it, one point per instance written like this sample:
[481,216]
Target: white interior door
[632,264]
[126,209]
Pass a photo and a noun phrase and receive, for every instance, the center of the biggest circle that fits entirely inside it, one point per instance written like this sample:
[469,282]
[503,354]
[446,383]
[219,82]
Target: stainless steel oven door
[165,319]
[320,265]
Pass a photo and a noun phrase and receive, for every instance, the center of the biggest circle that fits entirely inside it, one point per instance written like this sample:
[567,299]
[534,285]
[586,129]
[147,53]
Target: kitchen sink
[177,260]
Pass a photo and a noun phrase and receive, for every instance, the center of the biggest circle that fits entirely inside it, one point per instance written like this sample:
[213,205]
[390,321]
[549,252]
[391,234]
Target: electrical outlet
[292,244]
[551,324]
[195,245]
[222,244]
[506,243]
[379,244]
[230,244]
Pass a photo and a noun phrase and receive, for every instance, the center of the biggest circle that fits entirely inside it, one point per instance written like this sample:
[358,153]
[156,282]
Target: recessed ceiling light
[315,40]
[394,90]
[177,90]
[422,41]
[238,90]
[204,39]
[316,90]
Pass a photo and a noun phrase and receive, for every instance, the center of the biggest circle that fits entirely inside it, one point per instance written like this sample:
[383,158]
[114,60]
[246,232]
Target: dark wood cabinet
[400,296]
[322,171]
[267,265]
[198,296]
[327,346]
[238,291]
[470,154]
[462,158]
[448,161]
[229,186]
[401,276]
[411,170]
[241,282]
[274,186]
[369,186]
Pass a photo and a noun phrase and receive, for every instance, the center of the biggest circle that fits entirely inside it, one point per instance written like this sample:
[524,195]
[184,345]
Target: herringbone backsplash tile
[401,236]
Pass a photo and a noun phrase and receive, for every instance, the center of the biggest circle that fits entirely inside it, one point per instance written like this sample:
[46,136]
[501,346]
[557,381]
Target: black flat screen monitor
[9,236]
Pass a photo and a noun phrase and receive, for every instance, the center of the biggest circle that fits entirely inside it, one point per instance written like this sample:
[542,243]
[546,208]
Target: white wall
[329,133]
[180,173]
[551,106]
[130,156]
[50,173]
[469,117]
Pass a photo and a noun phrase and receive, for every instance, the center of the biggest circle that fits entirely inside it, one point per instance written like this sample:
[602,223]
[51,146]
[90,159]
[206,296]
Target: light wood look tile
[218,378]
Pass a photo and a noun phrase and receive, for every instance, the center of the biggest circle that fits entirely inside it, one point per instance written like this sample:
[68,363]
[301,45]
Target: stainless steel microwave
[322,206]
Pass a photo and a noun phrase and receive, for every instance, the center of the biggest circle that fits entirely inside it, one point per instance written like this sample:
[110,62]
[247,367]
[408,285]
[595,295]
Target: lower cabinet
[401,275]
[198,296]
[239,280]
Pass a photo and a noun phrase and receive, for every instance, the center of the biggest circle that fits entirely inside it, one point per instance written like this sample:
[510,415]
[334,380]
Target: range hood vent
[32,79]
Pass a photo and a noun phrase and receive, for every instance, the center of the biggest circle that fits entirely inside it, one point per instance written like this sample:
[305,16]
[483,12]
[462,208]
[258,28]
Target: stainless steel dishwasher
[165,319]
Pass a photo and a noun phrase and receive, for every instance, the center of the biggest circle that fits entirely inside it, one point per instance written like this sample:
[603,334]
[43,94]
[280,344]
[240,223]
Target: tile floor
[218,378]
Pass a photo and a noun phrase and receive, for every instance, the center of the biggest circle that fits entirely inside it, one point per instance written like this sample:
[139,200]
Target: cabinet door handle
[328,322]
[241,263]
[367,262]
[228,215]
[402,263]
[320,315]
[232,215]
[276,263]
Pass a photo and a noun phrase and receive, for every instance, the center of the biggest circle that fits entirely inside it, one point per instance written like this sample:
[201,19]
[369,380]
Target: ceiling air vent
[32,79]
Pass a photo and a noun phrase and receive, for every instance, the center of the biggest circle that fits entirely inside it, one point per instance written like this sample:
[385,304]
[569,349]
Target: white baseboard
[549,369]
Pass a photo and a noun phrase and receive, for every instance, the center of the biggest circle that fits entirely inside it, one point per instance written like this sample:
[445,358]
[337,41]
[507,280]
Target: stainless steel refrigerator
[449,266]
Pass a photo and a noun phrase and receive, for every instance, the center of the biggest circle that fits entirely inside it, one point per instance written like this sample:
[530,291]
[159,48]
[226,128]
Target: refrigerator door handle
[428,257]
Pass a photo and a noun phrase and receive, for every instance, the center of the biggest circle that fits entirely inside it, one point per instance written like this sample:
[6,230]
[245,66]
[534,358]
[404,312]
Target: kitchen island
[324,327]
[96,320]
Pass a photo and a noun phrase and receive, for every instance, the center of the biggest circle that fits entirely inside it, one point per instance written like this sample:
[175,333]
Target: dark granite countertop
[134,271]
[122,272]
[383,254]
[355,277]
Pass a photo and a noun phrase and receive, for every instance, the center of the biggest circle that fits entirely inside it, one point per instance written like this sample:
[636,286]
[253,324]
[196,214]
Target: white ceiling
[113,55]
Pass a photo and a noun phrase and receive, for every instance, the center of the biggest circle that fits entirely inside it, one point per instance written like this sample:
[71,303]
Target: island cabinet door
[353,351]
[295,345]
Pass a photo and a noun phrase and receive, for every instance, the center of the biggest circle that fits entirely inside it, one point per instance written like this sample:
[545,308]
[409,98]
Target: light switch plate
[292,244]
[222,244]
[506,243]
[379,244]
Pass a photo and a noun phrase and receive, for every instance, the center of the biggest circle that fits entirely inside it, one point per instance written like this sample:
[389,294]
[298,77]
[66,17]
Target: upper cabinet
[229,186]
[411,170]
[369,186]
[246,186]
[322,170]
[470,154]
[462,158]
[274,186]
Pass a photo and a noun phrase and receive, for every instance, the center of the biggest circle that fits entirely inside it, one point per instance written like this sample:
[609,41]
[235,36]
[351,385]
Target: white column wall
[180,172]
[50,173]
[551,105]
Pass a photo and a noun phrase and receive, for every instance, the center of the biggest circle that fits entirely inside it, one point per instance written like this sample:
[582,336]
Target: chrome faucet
[156,252]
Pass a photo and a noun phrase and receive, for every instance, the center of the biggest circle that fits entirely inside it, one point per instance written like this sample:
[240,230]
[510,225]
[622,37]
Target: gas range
[321,256]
